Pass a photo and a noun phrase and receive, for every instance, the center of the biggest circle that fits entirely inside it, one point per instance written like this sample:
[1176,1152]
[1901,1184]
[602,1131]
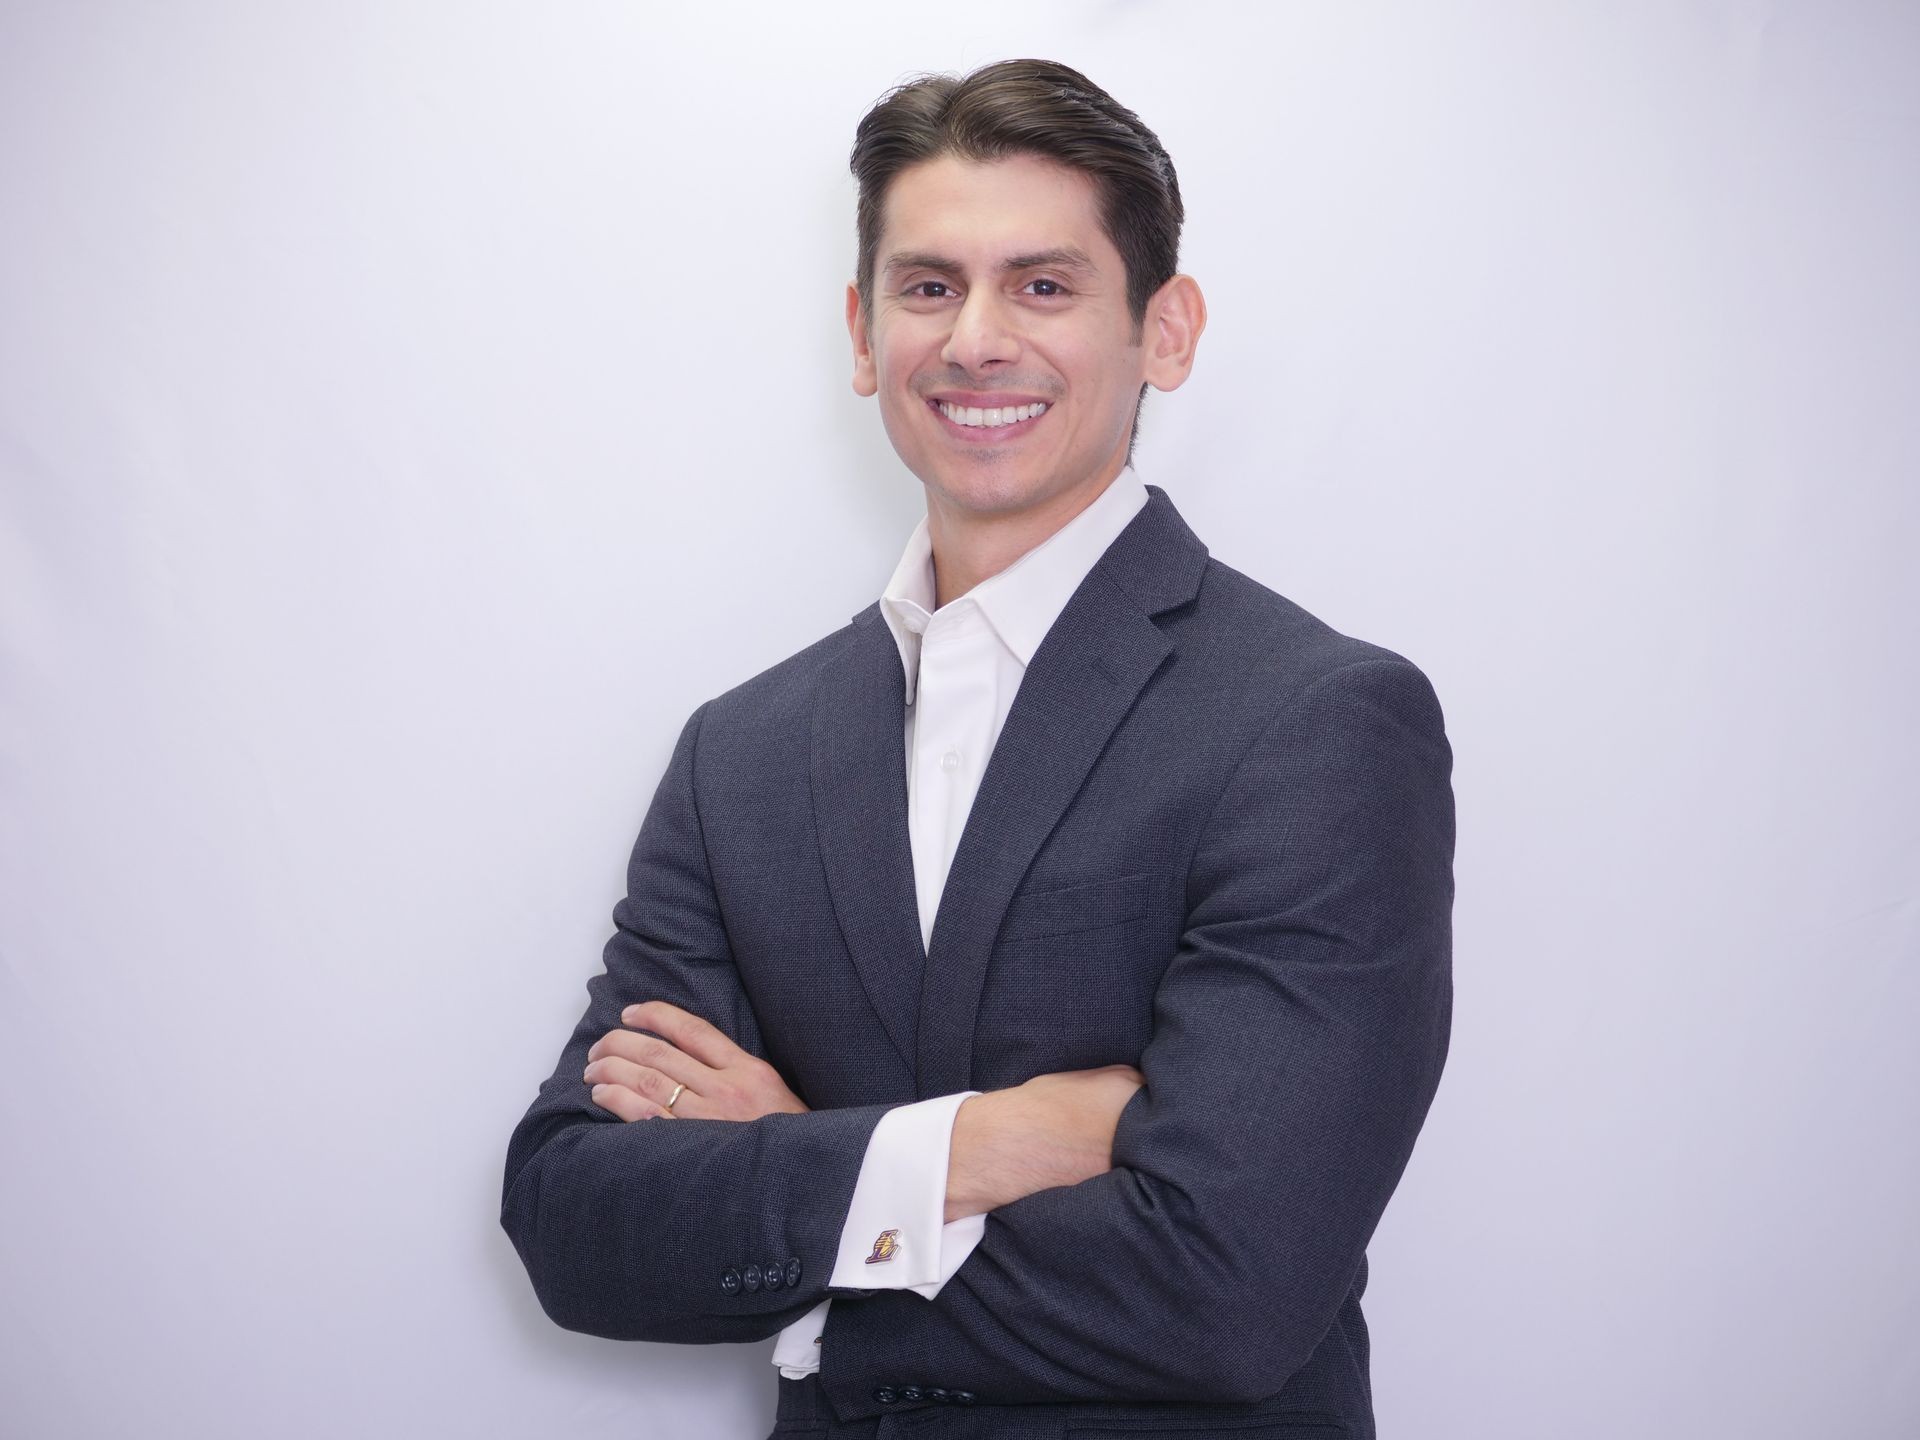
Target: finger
[645,1081]
[701,1039]
[655,1054]
[627,1104]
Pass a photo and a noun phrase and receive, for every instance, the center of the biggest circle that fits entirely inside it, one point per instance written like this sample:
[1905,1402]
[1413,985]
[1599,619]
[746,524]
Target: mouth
[984,424]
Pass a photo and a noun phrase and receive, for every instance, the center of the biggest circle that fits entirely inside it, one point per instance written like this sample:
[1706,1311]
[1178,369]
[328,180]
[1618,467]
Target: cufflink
[885,1246]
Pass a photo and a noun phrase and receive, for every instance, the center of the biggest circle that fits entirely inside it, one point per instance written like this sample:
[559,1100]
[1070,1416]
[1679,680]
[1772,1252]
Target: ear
[1175,316]
[864,380]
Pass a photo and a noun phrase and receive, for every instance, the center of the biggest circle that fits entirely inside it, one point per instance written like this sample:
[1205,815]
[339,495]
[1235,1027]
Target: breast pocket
[1070,985]
[1092,905]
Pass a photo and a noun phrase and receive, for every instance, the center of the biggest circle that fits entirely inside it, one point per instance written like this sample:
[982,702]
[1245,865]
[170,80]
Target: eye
[929,290]
[1046,289]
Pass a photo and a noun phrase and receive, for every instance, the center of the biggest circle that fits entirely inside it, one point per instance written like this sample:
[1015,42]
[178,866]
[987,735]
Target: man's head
[1018,241]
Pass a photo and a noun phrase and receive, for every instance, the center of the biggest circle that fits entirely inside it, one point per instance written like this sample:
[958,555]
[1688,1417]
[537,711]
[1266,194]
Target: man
[1026,998]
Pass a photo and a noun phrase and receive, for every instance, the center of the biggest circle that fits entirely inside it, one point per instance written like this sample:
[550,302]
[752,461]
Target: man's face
[996,288]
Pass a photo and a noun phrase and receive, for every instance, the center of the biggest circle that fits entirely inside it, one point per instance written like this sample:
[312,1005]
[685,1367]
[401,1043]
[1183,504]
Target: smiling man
[1026,998]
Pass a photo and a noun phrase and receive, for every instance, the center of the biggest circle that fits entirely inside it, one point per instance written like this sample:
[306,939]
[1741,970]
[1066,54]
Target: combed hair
[1027,107]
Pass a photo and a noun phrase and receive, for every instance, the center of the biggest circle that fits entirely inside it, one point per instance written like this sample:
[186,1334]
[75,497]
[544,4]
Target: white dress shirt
[964,663]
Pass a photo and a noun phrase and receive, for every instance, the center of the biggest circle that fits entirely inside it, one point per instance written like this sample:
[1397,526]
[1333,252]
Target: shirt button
[730,1281]
[950,761]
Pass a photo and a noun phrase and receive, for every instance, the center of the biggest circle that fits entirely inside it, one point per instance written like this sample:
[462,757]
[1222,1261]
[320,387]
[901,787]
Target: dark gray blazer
[1214,840]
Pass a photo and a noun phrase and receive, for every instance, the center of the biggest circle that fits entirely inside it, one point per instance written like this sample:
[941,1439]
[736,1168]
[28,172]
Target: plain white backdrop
[410,411]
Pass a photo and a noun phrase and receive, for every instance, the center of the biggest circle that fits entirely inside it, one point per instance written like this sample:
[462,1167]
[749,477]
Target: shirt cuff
[797,1351]
[895,1236]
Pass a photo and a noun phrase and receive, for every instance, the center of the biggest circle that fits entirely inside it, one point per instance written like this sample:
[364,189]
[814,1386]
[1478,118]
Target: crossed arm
[625,1228]
[1299,1034]
[1007,1144]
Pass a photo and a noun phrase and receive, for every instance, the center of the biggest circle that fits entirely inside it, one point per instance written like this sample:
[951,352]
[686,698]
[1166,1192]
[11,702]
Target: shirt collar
[1023,600]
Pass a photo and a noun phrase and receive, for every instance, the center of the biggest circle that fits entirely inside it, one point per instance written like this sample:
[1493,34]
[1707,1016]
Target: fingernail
[598,1091]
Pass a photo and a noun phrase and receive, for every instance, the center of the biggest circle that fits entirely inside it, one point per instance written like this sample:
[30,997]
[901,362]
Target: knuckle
[636,1106]
[633,1047]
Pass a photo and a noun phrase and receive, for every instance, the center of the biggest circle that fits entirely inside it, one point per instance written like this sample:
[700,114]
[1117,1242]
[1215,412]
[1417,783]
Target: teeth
[991,418]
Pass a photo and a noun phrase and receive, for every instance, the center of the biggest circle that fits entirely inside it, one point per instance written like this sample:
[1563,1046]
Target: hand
[634,1075]
[1053,1130]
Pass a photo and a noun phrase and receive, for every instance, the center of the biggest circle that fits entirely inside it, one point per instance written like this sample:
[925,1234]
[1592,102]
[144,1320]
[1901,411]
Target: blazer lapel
[1083,679]
[860,808]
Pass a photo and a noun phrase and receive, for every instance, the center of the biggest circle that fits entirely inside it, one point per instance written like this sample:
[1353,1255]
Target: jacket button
[775,1277]
[963,1397]
[730,1280]
[793,1272]
[885,1395]
[910,1394]
[750,1277]
[938,1396]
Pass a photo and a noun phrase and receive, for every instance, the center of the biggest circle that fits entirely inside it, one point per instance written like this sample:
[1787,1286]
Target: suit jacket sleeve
[1299,1034]
[645,1231]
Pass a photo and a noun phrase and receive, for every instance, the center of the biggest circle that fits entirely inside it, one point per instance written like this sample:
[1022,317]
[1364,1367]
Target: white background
[410,411]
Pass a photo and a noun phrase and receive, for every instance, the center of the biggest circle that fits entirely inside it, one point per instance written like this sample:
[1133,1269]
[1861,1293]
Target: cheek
[894,375]
[1095,367]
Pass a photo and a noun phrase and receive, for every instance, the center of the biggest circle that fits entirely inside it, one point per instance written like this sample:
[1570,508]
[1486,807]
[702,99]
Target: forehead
[985,210]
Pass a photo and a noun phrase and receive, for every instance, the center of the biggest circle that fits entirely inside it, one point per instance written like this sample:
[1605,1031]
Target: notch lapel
[859,771]
[1084,678]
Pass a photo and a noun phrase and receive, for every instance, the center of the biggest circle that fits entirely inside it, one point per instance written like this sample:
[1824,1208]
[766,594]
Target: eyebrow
[1061,257]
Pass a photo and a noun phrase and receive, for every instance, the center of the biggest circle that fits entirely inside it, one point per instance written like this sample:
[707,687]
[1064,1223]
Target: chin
[992,495]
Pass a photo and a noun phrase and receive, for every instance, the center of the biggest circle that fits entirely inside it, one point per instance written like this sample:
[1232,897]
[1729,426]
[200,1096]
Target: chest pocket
[1071,982]
[1092,905]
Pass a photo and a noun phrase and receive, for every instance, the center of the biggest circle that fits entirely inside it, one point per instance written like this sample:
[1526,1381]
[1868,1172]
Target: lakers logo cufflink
[884,1247]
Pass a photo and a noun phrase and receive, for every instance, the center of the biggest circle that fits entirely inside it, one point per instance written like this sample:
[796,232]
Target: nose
[983,334]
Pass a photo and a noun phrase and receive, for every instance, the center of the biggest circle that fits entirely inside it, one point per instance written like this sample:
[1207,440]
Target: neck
[970,546]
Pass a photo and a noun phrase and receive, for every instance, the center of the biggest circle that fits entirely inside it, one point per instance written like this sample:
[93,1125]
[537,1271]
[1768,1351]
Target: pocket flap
[1087,906]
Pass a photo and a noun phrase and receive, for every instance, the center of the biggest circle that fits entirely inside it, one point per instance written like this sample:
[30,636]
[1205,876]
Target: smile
[994,419]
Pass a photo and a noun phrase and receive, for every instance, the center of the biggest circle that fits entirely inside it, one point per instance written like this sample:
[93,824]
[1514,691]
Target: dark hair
[1030,107]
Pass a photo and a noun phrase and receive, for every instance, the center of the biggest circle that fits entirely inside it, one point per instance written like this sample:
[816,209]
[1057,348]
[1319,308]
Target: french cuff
[797,1351]
[895,1236]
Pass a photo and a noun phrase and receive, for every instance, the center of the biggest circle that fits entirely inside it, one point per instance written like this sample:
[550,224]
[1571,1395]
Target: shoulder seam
[1282,713]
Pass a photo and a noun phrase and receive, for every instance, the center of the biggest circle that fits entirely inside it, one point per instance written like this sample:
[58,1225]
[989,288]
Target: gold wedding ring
[675,1096]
